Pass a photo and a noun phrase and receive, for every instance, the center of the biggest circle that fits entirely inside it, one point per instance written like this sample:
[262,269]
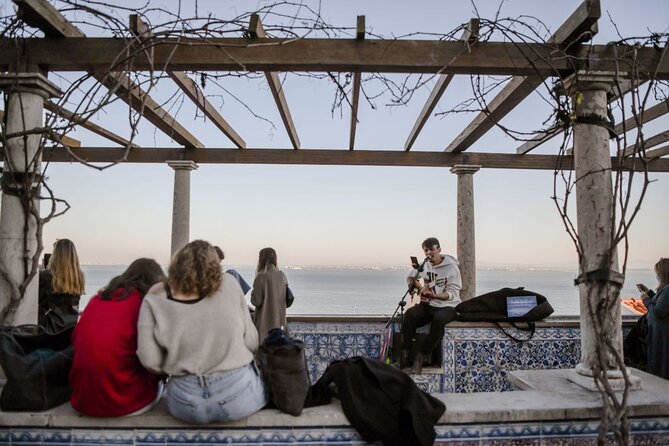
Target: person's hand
[643,288]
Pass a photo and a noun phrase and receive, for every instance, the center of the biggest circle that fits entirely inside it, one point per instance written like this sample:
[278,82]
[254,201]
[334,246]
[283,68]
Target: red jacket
[107,378]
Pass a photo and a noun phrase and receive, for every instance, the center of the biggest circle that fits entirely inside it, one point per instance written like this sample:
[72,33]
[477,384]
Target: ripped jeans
[223,396]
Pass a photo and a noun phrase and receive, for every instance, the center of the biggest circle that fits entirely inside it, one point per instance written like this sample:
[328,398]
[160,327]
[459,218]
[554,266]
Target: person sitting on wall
[233,272]
[196,328]
[439,295]
[61,284]
[657,302]
[107,379]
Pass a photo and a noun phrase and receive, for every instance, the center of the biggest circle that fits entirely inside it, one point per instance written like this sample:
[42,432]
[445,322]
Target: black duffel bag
[37,366]
[504,305]
[284,369]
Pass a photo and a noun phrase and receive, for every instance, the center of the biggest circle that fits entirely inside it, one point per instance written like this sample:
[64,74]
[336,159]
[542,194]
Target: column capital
[590,80]
[460,169]
[35,83]
[182,165]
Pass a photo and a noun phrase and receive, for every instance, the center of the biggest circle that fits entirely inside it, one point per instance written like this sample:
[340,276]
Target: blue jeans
[223,396]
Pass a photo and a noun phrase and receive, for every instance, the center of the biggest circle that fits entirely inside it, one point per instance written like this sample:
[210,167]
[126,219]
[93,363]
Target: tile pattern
[474,359]
[644,431]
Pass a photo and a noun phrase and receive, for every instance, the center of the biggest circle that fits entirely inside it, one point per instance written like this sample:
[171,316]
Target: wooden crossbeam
[64,139]
[79,120]
[257,31]
[547,135]
[653,112]
[469,36]
[653,141]
[339,55]
[340,157]
[580,26]
[141,30]
[656,153]
[357,77]
[41,14]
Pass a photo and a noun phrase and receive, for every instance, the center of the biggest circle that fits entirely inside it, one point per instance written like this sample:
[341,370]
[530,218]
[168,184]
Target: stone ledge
[553,398]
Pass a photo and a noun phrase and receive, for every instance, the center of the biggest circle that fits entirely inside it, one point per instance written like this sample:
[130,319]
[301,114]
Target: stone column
[594,211]
[26,93]
[181,203]
[466,228]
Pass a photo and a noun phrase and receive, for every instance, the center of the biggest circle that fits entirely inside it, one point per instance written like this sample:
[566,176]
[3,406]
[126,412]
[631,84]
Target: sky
[337,215]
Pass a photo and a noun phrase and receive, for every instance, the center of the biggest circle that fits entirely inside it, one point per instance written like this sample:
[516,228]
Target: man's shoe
[417,367]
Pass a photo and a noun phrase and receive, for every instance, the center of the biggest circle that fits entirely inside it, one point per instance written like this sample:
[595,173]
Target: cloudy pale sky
[329,215]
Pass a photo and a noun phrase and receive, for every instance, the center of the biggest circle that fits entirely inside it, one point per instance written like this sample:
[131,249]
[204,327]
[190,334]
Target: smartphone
[414,262]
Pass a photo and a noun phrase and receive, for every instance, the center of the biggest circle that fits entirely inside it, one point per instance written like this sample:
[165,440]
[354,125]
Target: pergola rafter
[142,31]
[469,36]
[355,90]
[579,27]
[257,31]
[41,14]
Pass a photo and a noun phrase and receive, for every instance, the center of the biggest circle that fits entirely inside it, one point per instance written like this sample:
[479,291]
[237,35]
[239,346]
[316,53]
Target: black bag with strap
[37,366]
[498,306]
[284,369]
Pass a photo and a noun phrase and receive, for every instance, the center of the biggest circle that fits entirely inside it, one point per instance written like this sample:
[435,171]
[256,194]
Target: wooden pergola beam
[340,55]
[469,36]
[653,141]
[398,158]
[357,78]
[656,153]
[546,135]
[579,27]
[653,112]
[79,120]
[142,31]
[257,31]
[41,14]
[64,139]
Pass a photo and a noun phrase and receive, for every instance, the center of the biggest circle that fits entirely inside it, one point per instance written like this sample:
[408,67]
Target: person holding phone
[657,303]
[439,295]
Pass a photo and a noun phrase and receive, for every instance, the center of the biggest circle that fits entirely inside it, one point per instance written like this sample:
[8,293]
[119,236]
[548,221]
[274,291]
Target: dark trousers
[420,315]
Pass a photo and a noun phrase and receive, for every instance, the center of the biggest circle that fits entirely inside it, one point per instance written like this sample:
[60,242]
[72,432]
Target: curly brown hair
[195,270]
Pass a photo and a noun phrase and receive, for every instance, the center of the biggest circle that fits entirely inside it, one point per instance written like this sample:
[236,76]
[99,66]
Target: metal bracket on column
[601,275]
[13,183]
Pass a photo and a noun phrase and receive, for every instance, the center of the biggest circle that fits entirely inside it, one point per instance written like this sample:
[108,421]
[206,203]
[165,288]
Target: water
[349,291]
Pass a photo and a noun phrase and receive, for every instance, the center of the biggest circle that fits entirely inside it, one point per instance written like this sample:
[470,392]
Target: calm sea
[350,291]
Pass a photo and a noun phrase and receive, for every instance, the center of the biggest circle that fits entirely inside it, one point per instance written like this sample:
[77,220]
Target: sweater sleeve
[250,330]
[150,353]
[659,305]
[454,284]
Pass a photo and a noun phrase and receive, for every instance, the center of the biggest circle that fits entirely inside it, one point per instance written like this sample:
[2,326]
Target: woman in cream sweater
[196,328]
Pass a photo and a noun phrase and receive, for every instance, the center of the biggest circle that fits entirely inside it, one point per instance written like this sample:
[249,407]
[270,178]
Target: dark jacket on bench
[381,402]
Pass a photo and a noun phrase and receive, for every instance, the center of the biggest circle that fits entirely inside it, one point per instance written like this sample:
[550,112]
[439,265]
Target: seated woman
[196,328]
[61,285]
[107,379]
[269,294]
[657,302]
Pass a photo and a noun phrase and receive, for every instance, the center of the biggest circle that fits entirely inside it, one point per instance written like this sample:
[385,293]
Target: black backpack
[494,307]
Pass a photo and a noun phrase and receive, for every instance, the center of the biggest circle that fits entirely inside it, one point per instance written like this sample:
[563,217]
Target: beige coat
[269,298]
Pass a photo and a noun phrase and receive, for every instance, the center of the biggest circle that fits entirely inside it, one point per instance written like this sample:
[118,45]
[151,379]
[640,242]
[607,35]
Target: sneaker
[417,367]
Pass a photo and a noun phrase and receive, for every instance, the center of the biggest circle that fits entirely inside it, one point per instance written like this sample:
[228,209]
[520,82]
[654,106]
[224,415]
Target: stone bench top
[554,398]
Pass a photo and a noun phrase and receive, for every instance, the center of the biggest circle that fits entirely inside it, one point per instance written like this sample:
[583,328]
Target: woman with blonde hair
[657,303]
[196,328]
[62,283]
[269,294]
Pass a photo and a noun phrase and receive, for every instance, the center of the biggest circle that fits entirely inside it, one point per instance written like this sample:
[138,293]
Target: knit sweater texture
[198,337]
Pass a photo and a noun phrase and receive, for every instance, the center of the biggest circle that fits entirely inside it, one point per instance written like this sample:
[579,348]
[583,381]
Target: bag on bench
[512,305]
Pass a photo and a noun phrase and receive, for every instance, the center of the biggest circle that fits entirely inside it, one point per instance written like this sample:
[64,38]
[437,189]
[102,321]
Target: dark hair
[219,253]
[266,257]
[430,242]
[140,275]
